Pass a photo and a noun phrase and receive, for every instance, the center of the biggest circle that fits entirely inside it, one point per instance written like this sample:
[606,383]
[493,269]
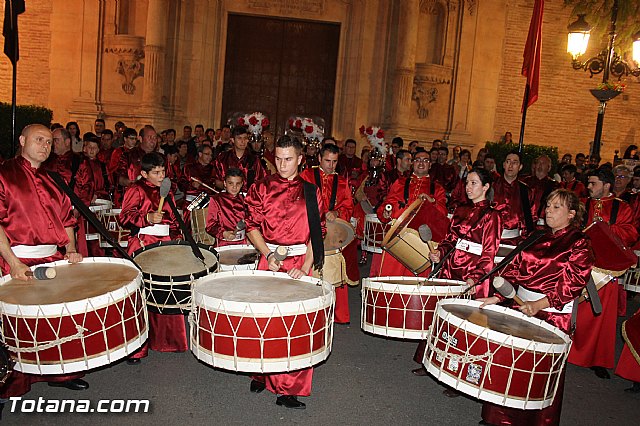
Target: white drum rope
[466,358]
[51,344]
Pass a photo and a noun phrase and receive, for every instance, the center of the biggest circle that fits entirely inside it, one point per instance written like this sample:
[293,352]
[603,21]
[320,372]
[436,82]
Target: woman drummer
[468,250]
[549,275]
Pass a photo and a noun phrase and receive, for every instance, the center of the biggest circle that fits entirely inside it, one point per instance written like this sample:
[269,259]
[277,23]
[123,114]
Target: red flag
[12,8]
[531,63]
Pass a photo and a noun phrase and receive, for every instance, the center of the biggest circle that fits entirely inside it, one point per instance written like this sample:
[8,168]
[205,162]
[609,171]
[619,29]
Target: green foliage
[25,114]
[530,153]
[599,17]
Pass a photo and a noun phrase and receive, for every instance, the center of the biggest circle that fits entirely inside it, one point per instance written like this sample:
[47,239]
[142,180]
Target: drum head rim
[403,221]
[452,285]
[350,238]
[187,277]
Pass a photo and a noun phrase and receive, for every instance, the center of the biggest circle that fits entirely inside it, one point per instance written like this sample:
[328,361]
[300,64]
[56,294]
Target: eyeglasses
[622,177]
[422,160]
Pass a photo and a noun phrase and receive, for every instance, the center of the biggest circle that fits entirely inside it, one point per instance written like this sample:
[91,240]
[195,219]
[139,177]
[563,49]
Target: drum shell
[235,267]
[410,250]
[509,370]
[115,323]
[199,226]
[257,337]
[168,294]
[403,310]
[117,233]
[374,232]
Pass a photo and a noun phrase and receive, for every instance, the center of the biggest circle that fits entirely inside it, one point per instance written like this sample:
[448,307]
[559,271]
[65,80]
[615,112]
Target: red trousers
[167,333]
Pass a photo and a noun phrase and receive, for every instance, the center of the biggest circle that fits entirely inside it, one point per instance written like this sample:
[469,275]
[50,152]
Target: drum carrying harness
[334,188]
[526,206]
[315,230]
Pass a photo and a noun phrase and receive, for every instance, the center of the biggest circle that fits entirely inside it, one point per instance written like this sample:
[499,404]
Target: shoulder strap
[315,229]
[526,206]
[432,185]
[587,206]
[406,192]
[105,176]
[547,190]
[614,211]
[316,175]
[334,193]
[75,165]
[251,173]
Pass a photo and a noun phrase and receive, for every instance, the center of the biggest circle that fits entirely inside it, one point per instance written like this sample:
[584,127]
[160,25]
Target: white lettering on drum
[450,339]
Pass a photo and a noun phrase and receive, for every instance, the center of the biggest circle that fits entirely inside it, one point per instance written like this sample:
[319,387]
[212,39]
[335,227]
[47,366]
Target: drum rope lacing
[52,344]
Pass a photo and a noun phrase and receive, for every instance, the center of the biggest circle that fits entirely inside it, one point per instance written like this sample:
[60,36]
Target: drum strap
[105,177]
[334,193]
[251,172]
[614,211]
[75,165]
[88,214]
[594,298]
[187,235]
[315,230]
[587,206]
[526,206]
[316,175]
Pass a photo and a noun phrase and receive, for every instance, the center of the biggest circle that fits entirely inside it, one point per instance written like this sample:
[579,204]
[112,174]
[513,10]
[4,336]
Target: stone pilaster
[155,40]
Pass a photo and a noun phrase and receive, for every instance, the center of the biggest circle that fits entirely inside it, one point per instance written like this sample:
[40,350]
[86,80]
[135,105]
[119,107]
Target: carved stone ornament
[423,95]
[130,52]
[286,7]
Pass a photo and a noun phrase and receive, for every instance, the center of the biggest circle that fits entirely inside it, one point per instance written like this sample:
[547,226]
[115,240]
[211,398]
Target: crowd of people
[470,206]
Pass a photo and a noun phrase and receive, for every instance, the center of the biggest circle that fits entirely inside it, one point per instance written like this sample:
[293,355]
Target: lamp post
[608,63]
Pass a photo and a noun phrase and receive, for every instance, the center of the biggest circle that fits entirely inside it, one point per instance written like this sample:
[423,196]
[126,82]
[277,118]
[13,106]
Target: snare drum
[201,201]
[117,232]
[261,321]
[238,258]
[403,307]
[91,314]
[339,234]
[632,277]
[199,226]
[374,232]
[99,207]
[496,354]
[168,270]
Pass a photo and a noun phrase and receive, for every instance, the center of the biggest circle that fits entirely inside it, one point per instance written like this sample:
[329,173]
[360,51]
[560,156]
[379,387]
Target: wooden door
[280,67]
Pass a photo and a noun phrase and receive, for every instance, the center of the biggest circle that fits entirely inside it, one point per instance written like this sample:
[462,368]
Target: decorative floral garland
[255,122]
[310,130]
[618,86]
[375,135]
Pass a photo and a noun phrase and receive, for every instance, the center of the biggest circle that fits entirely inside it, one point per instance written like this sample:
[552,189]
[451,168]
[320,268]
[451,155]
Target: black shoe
[1,408]
[74,384]
[290,401]
[133,361]
[420,372]
[634,389]
[257,387]
[482,422]
[601,372]
[451,393]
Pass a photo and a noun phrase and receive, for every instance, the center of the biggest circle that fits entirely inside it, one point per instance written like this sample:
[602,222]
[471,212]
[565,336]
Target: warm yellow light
[636,48]
[578,37]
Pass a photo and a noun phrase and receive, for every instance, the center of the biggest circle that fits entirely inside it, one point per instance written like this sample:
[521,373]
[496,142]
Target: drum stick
[506,289]
[165,187]
[204,184]
[280,253]
[42,273]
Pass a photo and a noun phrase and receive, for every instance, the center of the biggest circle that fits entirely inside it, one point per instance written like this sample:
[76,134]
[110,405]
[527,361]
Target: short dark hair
[187,127]
[348,141]
[484,175]
[419,150]
[200,126]
[332,149]
[569,168]
[151,160]
[287,141]
[202,147]
[239,130]
[182,143]
[107,132]
[129,132]
[99,120]
[604,175]
[580,155]
[398,141]
[234,172]
[171,131]
[401,154]
[171,149]
[443,148]
[513,152]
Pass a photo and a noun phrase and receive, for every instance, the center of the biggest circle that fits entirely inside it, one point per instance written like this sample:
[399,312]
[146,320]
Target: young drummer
[167,333]
[226,210]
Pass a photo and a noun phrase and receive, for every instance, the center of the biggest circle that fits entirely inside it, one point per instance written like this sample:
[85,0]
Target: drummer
[336,194]
[227,211]
[511,192]
[548,276]
[36,226]
[167,333]
[277,216]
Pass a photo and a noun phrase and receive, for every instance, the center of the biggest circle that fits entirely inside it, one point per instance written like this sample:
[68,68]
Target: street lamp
[608,63]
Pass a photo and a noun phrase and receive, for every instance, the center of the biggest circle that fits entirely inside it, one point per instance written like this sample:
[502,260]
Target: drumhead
[503,322]
[173,258]
[237,255]
[403,221]
[257,289]
[90,278]
[339,234]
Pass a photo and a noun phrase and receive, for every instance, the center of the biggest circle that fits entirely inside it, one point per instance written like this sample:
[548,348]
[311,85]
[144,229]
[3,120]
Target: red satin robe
[480,223]
[433,214]
[276,207]
[538,188]
[576,187]
[595,338]
[129,164]
[628,365]
[557,265]
[225,211]
[200,172]
[167,333]
[344,208]
[395,174]
[104,156]
[33,211]
[508,195]
[112,169]
[375,190]
[347,165]
[445,175]
[84,185]
[247,162]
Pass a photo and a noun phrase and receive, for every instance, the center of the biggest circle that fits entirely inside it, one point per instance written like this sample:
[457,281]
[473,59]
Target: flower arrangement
[255,122]
[375,135]
[618,86]
[311,131]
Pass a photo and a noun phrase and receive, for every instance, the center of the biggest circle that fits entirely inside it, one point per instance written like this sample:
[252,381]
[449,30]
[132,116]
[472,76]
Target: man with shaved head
[36,226]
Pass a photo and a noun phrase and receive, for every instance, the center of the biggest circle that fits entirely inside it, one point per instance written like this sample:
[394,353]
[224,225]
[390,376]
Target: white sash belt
[469,247]
[158,230]
[531,296]
[34,252]
[510,233]
[294,250]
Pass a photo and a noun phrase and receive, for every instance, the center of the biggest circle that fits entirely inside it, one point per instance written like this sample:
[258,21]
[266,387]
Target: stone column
[406,63]
[154,52]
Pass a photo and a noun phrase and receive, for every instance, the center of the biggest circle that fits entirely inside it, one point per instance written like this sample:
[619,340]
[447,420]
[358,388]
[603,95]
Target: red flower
[240,121]
[308,129]
[298,124]
[380,134]
[369,131]
[265,122]
[253,120]
[362,129]
[291,123]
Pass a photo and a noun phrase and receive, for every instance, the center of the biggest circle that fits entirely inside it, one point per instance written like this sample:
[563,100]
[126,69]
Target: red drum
[237,258]
[261,321]
[168,271]
[496,354]
[99,207]
[91,314]
[403,307]
[374,232]
[117,232]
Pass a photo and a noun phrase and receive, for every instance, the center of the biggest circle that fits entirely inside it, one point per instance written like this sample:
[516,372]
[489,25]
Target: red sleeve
[213,219]
[394,197]
[344,200]
[625,227]
[132,213]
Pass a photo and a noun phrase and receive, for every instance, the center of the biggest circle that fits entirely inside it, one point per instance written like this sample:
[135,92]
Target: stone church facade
[421,69]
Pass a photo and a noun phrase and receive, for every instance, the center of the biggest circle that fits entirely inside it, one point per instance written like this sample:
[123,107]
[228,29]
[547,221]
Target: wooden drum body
[496,354]
[340,233]
[374,232]
[238,258]
[169,268]
[92,314]
[199,226]
[261,321]
[403,307]
[99,207]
